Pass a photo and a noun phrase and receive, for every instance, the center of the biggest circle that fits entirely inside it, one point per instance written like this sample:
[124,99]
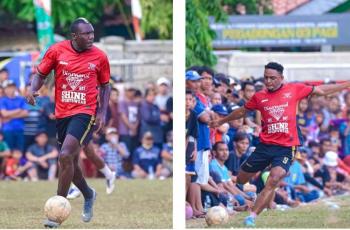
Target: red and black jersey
[278,110]
[77,76]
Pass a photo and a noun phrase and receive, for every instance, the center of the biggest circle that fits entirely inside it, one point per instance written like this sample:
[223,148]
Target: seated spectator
[43,158]
[4,153]
[12,164]
[328,172]
[238,154]
[114,152]
[147,160]
[167,155]
[220,151]
[296,183]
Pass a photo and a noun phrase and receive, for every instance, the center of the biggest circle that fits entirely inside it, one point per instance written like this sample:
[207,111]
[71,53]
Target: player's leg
[256,162]
[101,166]
[264,198]
[70,148]
[88,193]
[280,158]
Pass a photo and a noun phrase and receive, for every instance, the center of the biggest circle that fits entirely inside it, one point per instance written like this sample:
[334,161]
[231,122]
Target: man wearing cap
[203,141]
[279,136]
[114,152]
[13,109]
[220,133]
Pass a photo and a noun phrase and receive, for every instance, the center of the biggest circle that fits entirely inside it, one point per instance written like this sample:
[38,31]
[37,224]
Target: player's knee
[273,181]
[66,158]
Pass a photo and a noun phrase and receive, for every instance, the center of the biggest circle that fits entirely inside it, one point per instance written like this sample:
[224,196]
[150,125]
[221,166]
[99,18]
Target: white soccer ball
[216,215]
[57,209]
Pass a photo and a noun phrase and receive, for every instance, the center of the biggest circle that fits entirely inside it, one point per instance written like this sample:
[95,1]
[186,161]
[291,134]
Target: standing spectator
[43,158]
[345,134]
[163,93]
[146,159]
[113,114]
[4,75]
[167,154]
[114,152]
[129,119]
[150,119]
[50,118]
[13,110]
[35,121]
[161,100]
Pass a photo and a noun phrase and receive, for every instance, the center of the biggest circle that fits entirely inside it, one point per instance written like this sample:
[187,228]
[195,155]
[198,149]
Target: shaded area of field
[321,214]
[134,204]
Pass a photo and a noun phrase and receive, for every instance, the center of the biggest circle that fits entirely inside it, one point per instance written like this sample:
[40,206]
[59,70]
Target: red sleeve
[104,74]
[251,104]
[302,90]
[48,62]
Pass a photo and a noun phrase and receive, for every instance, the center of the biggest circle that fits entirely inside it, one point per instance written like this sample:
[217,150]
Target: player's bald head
[74,27]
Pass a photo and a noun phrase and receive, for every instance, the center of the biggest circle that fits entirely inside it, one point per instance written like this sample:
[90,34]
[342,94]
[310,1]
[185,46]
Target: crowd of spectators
[136,142]
[321,165]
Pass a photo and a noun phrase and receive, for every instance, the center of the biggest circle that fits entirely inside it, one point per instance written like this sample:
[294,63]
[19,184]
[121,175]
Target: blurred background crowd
[136,143]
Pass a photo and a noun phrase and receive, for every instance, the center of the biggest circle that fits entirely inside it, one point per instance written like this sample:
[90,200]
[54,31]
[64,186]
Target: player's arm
[234,115]
[104,93]
[323,90]
[37,82]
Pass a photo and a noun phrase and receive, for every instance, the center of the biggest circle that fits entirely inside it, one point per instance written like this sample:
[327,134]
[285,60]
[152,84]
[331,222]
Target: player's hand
[214,123]
[100,122]
[31,97]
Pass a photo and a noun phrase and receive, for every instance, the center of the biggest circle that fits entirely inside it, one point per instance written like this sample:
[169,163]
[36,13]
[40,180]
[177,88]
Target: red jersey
[77,76]
[278,111]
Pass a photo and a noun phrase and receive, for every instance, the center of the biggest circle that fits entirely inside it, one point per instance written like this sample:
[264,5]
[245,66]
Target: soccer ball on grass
[216,215]
[57,209]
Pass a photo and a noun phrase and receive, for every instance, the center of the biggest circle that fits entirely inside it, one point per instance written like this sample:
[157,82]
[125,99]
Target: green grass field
[317,215]
[134,204]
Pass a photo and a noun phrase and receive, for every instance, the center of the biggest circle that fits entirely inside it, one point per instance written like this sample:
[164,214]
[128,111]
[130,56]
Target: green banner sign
[44,25]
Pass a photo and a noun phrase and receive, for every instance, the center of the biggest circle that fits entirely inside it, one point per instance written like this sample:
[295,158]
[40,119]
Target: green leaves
[157,14]
[198,34]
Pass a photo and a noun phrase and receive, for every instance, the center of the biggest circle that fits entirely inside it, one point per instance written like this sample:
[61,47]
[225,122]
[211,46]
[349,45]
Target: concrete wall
[298,66]
[139,62]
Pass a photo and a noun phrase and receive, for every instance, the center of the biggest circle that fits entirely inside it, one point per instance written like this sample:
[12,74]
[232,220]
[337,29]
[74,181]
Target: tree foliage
[157,13]
[198,34]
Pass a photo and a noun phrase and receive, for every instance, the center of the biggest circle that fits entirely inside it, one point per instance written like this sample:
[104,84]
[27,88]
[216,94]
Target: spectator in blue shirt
[13,110]
[146,159]
[43,158]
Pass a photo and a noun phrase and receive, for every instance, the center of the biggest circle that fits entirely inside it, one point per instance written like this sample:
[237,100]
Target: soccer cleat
[73,193]
[50,224]
[110,184]
[249,221]
[88,207]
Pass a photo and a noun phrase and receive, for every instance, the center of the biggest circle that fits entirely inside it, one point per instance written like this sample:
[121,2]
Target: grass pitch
[133,204]
[320,214]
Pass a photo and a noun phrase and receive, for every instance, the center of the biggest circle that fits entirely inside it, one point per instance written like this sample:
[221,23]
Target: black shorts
[79,125]
[267,154]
